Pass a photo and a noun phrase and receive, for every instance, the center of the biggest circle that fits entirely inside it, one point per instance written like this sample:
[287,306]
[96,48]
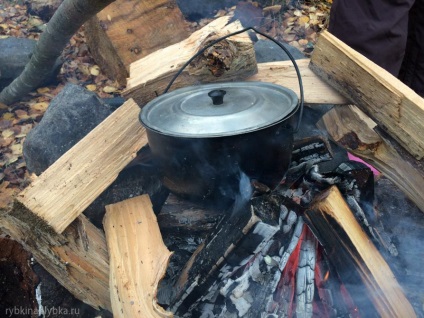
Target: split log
[394,106]
[138,258]
[355,258]
[230,59]
[77,258]
[75,180]
[126,31]
[283,73]
[354,131]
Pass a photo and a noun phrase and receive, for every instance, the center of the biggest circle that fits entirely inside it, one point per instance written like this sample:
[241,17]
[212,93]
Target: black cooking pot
[205,138]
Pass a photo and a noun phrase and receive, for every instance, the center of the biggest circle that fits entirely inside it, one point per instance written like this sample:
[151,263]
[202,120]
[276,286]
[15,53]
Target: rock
[14,55]
[194,10]
[71,115]
[268,51]
[43,8]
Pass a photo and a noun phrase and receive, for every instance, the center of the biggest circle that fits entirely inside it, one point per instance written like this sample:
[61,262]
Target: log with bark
[355,258]
[393,105]
[77,258]
[230,59]
[353,130]
[126,31]
[138,258]
[65,22]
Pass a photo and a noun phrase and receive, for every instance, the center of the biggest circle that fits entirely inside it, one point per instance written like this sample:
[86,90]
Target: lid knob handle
[217,96]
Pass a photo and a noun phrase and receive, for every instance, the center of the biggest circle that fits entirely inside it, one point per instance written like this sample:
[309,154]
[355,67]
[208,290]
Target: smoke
[244,194]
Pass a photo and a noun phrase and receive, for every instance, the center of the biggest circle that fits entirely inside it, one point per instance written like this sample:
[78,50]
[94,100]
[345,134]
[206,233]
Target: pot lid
[219,109]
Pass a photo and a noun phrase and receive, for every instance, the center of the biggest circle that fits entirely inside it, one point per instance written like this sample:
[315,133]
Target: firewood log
[138,258]
[230,59]
[75,180]
[355,258]
[353,130]
[393,105]
[126,31]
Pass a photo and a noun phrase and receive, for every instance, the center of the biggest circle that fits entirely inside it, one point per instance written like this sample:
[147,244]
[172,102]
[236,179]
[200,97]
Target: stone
[194,10]
[72,114]
[268,51]
[15,53]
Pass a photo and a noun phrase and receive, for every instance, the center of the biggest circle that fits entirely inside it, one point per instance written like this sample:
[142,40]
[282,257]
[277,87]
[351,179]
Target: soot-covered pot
[205,138]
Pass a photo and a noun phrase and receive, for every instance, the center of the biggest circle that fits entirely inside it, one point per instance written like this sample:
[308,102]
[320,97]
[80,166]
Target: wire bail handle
[301,101]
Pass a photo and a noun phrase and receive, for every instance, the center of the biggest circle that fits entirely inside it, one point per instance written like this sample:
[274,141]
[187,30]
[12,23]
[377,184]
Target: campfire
[311,246]
[298,251]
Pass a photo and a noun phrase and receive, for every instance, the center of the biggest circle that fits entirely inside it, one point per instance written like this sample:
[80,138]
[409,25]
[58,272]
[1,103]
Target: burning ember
[281,265]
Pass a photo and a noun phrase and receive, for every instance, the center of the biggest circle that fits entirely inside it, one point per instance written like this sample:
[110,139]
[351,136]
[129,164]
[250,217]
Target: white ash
[284,258]
[291,219]
[283,212]
[305,277]
[266,231]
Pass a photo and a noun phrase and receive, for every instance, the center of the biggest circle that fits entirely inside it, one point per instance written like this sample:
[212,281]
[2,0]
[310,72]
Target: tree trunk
[65,22]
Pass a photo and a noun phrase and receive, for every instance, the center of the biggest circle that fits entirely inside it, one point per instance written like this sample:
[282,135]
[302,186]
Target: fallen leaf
[26,128]
[35,21]
[95,70]
[8,116]
[297,13]
[21,114]
[6,194]
[303,20]
[12,158]
[109,89]
[16,149]
[7,133]
[40,106]
[303,42]
[43,90]
[3,106]
[5,142]
[91,87]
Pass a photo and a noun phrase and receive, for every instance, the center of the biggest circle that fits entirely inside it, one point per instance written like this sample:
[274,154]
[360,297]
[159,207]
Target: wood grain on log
[77,258]
[353,130]
[230,59]
[125,31]
[316,91]
[392,104]
[138,258]
[75,180]
[355,257]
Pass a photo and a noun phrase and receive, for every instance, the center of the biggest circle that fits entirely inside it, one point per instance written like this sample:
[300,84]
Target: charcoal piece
[131,182]
[231,241]
[71,115]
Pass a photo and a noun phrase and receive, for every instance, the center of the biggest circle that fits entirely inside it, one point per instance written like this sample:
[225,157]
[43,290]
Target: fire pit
[288,256]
